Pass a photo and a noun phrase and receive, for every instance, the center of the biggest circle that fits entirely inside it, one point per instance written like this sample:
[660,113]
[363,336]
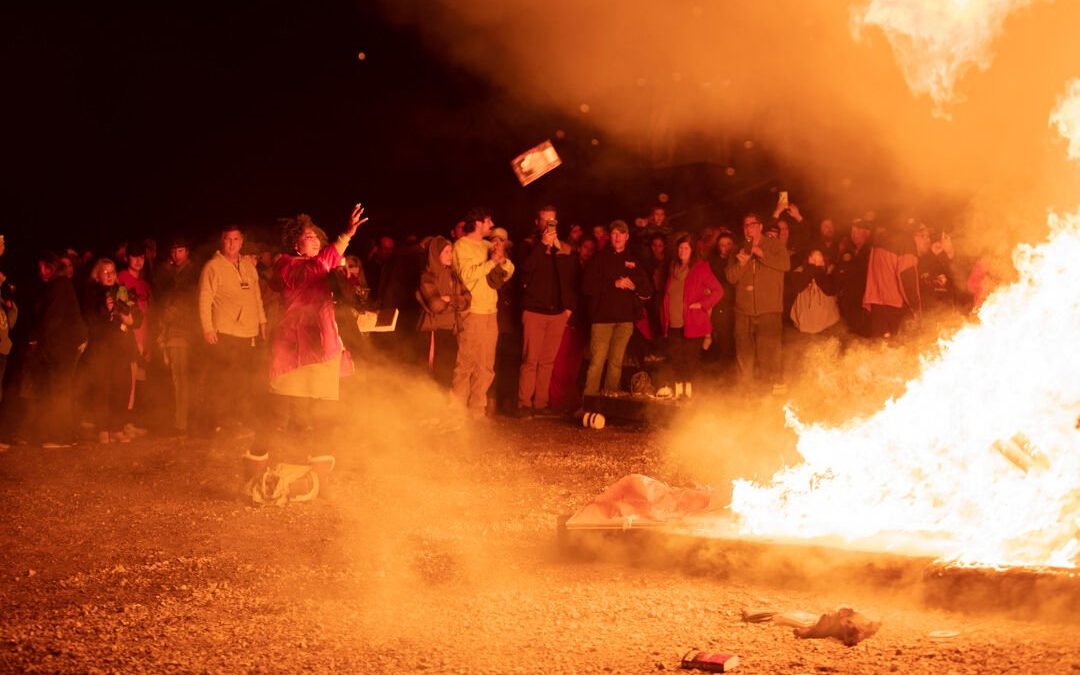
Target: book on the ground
[713,662]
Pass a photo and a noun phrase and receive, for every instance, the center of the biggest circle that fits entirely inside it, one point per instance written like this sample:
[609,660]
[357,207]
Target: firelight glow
[932,471]
[978,461]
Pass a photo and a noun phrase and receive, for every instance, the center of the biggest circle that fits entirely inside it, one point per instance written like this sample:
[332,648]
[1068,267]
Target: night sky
[177,118]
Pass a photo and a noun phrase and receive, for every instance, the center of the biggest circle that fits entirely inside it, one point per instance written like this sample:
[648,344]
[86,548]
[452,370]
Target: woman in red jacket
[692,290]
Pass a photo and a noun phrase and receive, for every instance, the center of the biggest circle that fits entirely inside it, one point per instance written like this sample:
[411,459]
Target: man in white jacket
[232,317]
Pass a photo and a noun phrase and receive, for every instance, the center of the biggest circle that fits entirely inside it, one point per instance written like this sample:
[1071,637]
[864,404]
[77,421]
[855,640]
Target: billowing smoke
[822,87]
[936,43]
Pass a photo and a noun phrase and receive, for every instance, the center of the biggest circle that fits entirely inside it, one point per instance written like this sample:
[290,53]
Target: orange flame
[979,460]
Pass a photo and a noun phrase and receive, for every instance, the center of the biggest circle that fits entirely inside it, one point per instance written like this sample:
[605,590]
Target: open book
[383,321]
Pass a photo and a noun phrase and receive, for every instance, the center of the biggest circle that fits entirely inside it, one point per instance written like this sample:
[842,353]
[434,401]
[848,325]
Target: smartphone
[782,201]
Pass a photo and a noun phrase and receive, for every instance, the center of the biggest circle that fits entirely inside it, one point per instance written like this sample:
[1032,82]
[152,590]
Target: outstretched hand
[356,219]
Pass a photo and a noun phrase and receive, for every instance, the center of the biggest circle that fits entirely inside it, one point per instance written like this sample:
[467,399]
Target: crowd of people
[99,345]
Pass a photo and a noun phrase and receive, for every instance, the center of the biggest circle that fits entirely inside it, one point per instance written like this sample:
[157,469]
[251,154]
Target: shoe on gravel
[133,431]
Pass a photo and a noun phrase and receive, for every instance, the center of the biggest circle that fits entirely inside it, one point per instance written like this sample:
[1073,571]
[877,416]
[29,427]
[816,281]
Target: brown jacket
[436,282]
[759,283]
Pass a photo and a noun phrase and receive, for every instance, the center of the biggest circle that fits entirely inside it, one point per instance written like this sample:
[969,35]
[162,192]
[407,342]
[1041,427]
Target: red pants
[565,394]
[543,335]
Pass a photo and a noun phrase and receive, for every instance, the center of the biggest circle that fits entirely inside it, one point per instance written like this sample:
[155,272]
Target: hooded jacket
[436,282]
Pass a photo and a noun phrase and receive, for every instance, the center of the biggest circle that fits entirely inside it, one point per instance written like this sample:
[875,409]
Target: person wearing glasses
[757,273]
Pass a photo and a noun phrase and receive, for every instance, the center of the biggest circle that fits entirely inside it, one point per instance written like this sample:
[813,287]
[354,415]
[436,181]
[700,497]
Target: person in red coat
[690,294]
[307,357]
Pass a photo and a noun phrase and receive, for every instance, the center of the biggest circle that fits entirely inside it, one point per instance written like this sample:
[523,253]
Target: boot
[254,467]
[323,465]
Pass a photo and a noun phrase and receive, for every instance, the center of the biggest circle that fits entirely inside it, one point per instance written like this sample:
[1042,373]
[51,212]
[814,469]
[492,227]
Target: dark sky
[179,117]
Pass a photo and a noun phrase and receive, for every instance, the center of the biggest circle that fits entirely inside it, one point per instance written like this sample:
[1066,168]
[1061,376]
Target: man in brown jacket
[757,272]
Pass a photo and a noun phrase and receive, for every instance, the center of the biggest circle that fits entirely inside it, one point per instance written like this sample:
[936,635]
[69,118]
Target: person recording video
[757,272]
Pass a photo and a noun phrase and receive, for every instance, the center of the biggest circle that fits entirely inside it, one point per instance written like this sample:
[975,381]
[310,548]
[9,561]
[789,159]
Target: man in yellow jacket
[475,258]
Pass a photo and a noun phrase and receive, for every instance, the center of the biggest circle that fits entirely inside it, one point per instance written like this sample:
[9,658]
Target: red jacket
[701,286]
[308,330]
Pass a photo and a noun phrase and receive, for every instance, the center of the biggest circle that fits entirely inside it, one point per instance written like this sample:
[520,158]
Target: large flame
[979,460]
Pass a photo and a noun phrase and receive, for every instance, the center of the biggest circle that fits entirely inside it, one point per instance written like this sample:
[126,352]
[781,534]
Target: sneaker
[133,431]
[522,412]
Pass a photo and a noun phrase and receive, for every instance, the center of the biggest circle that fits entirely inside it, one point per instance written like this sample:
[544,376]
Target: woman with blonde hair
[111,318]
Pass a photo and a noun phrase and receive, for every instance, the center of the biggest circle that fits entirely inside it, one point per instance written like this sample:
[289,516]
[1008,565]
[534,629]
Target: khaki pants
[543,335]
[475,367]
[607,344]
[757,345]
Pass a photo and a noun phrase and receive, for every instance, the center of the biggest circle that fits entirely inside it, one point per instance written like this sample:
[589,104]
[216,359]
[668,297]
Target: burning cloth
[638,500]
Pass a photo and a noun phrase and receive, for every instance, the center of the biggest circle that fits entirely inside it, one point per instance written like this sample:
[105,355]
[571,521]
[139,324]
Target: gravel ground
[436,553]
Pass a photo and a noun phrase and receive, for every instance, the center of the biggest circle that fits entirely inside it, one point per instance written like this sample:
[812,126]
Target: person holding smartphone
[757,273]
[111,319]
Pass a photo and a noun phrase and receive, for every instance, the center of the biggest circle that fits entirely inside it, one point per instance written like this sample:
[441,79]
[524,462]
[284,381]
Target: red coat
[308,330]
[702,286]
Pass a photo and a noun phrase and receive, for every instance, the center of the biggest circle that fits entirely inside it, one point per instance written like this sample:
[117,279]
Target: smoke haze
[817,85]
